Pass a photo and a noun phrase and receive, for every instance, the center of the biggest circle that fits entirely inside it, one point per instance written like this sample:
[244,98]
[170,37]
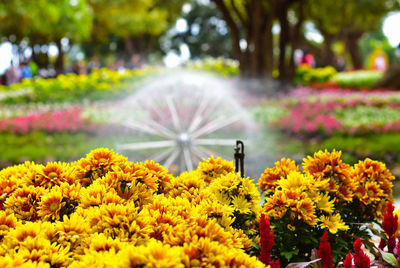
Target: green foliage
[367,116]
[102,84]
[40,146]
[43,21]
[220,66]
[334,17]
[382,147]
[127,18]
[305,75]
[358,79]
[268,112]
[204,36]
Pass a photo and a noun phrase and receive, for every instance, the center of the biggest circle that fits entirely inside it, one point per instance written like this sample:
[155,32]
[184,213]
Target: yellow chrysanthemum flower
[373,193]
[269,179]
[188,182]
[154,254]
[7,221]
[333,223]
[213,168]
[325,203]
[241,204]
[305,210]
[96,164]
[373,171]
[163,176]
[71,230]
[328,165]
[97,194]
[24,202]
[54,173]
[50,204]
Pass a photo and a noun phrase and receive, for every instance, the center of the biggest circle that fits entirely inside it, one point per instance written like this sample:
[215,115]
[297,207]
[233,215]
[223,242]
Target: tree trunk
[284,38]
[256,61]
[296,38]
[59,65]
[234,32]
[267,39]
[353,49]
[255,45]
[391,78]
[129,47]
[328,56]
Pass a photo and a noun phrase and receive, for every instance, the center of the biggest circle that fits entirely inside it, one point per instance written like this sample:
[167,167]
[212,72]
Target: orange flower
[53,174]
[372,193]
[305,210]
[7,221]
[96,164]
[369,171]
[23,202]
[328,165]
[163,176]
[213,168]
[270,177]
[51,204]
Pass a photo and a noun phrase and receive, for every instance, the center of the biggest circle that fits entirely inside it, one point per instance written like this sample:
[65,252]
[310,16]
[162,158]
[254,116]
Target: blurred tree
[250,23]
[206,34]
[348,20]
[138,23]
[44,21]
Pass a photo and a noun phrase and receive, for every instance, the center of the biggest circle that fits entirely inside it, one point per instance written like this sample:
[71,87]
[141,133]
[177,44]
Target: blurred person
[380,63]
[34,67]
[94,64]
[13,74]
[80,68]
[378,60]
[26,70]
[135,62]
[119,66]
[398,52]
[340,63]
[307,59]
[298,57]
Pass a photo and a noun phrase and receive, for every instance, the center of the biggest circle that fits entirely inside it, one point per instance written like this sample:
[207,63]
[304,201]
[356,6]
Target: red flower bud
[324,251]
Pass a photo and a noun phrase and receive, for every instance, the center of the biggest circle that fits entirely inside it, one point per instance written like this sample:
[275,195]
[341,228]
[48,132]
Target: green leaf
[289,254]
[389,258]
[123,186]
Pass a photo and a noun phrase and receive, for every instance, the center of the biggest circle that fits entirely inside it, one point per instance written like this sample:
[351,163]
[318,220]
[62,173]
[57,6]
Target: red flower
[357,247]
[389,225]
[324,251]
[362,261]
[348,261]
[274,264]
[266,243]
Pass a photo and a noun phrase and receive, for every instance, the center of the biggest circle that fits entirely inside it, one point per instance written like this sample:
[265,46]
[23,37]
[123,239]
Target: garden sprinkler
[239,157]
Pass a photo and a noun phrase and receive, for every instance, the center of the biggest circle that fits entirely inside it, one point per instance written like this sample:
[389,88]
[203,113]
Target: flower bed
[51,121]
[104,211]
[326,77]
[98,85]
[219,66]
[314,112]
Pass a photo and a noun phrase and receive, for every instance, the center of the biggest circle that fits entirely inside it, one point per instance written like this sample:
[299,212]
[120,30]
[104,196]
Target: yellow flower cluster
[326,184]
[104,211]
[374,183]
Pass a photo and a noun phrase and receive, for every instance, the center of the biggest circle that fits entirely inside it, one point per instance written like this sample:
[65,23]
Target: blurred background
[177,81]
